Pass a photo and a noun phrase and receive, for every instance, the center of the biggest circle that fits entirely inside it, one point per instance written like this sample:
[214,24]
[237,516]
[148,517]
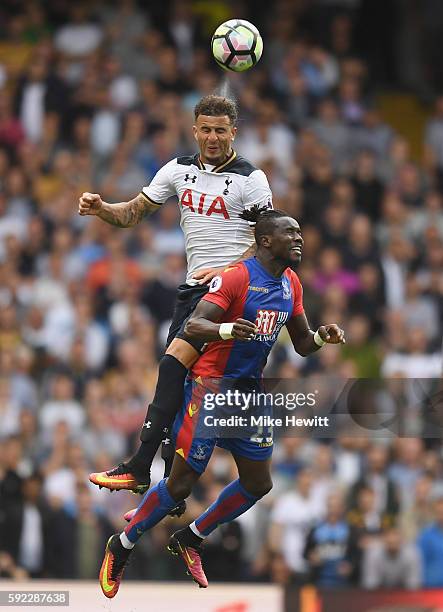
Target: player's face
[215,136]
[286,242]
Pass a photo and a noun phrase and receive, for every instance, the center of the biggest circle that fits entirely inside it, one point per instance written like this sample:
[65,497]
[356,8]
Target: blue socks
[154,507]
[232,501]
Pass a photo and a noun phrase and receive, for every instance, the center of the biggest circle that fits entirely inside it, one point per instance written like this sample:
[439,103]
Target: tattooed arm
[122,214]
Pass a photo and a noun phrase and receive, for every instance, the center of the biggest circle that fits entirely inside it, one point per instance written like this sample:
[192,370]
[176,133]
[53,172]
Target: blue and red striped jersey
[248,291]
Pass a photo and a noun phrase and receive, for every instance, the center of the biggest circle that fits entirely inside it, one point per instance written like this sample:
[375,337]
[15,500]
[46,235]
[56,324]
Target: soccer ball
[237,45]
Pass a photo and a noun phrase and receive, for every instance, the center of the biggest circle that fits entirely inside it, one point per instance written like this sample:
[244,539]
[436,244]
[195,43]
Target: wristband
[225,331]
[318,339]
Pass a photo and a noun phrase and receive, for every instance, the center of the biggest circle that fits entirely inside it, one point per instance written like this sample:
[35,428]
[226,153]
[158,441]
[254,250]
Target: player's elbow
[303,344]
[301,350]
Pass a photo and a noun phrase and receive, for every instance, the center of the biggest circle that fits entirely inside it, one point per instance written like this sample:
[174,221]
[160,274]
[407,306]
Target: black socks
[161,413]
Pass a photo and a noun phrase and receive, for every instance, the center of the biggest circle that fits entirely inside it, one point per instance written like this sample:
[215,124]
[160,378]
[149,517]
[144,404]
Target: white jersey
[210,199]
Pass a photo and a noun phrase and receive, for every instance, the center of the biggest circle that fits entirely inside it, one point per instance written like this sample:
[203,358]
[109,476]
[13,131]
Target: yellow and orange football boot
[120,478]
[114,562]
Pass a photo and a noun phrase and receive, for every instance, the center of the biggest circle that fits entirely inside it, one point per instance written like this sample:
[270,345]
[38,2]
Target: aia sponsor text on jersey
[204,204]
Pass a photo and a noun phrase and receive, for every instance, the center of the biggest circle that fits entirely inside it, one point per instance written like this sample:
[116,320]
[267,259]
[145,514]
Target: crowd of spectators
[97,97]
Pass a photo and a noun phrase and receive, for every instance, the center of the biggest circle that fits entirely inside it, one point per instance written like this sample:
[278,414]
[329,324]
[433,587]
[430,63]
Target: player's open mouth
[297,250]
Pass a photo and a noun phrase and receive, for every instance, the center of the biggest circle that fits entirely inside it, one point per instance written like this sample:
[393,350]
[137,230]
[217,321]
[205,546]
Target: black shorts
[188,296]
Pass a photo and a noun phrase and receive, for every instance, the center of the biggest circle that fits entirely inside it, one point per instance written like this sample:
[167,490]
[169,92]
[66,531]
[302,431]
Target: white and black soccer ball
[237,45]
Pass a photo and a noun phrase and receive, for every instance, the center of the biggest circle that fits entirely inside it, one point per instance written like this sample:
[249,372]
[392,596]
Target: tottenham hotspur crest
[228,181]
[286,289]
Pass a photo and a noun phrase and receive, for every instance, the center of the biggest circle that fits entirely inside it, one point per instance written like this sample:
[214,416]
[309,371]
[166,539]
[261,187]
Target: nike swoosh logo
[106,586]
[190,561]
[105,479]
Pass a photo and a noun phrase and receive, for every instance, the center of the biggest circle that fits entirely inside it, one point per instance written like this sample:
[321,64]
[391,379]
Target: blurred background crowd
[97,97]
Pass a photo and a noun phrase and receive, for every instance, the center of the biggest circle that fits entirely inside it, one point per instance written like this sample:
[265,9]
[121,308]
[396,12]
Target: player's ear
[266,241]
[233,133]
[194,131]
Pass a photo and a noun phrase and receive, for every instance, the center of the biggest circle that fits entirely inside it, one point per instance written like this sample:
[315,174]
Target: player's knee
[179,489]
[183,352]
[259,488]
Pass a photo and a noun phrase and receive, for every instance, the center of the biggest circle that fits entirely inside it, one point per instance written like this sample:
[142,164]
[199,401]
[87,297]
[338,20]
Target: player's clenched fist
[243,330]
[332,334]
[89,203]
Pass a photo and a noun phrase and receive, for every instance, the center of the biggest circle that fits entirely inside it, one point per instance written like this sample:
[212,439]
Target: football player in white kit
[213,187]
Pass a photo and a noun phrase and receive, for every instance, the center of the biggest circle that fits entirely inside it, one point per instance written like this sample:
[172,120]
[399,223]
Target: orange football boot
[114,562]
[118,479]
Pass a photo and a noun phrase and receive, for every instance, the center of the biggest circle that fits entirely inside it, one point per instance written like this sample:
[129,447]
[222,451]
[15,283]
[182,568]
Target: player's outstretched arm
[203,325]
[121,214]
[306,341]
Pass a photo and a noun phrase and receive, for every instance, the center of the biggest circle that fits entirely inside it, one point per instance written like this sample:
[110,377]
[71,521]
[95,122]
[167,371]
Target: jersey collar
[218,168]
[267,274]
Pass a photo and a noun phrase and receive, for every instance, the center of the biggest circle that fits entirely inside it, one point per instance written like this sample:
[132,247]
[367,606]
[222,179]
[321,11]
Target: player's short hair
[264,219]
[217,106]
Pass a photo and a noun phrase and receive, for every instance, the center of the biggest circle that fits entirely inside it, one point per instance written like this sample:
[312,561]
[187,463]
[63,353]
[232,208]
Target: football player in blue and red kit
[240,318]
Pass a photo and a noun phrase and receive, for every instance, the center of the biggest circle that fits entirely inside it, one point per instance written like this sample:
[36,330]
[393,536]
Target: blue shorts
[196,449]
